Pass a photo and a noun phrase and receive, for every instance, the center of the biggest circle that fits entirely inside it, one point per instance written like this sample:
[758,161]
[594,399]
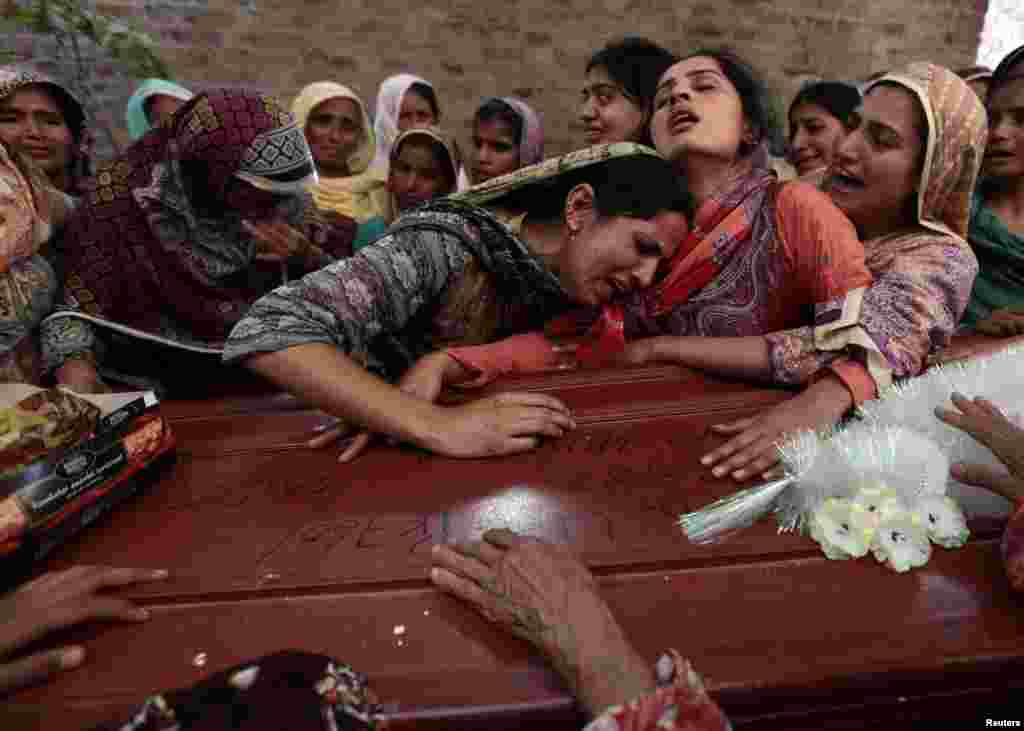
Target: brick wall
[532,48]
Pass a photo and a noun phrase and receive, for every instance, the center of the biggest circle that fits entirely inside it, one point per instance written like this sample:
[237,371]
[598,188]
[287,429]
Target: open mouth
[998,156]
[807,159]
[682,121]
[843,181]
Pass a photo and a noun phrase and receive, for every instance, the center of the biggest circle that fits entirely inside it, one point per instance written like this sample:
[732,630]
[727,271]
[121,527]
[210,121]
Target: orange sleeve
[820,243]
[855,377]
[527,353]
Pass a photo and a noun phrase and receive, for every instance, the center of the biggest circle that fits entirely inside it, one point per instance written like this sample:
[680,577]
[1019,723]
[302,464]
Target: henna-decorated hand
[543,594]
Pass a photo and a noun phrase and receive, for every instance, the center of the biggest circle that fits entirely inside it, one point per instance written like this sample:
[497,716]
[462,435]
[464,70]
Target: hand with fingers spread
[985,422]
[56,600]
[506,423]
[752,451]
[542,593]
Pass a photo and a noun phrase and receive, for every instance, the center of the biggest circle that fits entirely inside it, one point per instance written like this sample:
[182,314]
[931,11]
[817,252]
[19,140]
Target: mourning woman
[177,237]
[42,121]
[571,231]
[997,210]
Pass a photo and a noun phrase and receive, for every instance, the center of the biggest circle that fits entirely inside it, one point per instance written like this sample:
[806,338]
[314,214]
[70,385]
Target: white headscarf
[385,124]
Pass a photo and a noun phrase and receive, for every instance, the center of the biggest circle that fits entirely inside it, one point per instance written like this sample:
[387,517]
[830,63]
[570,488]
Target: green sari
[1000,252]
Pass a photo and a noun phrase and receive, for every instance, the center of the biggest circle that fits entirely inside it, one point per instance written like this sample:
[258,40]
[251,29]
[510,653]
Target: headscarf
[135,115]
[1000,251]
[531,143]
[159,234]
[15,78]
[531,140]
[434,134]
[301,691]
[385,123]
[24,210]
[363,194]
[29,212]
[957,132]
[924,273]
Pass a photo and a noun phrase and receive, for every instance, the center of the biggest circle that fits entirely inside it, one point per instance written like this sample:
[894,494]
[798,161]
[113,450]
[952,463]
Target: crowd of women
[365,265]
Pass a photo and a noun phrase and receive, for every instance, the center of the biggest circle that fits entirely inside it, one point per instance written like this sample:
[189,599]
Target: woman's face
[252,203]
[415,112]
[494,150]
[875,172]
[160,108]
[32,123]
[608,114]
[1004,156]
[416,175]
[334,129]
[614,255]
[697,111]
[814,133]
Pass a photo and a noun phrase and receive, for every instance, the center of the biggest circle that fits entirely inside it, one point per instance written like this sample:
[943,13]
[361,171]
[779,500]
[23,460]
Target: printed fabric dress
[158,260]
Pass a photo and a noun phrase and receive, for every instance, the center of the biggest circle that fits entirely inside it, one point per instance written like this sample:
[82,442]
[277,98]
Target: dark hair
[438,150]
[427,92]
[757,101]
[638,186]
[495,108]
[1004,71]
[635,64]
[835,97]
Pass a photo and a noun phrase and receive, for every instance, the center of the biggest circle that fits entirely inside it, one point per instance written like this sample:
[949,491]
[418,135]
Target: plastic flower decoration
[842,529]
[901,542]
[944,521]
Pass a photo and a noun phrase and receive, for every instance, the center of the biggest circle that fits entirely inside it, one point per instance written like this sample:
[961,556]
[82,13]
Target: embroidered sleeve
[1013,549]
[916,302]
[920,289]
[64,338]
[681,703]
[354,300]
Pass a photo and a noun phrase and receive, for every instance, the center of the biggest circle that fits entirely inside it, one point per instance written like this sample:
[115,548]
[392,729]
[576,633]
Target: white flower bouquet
[877,485]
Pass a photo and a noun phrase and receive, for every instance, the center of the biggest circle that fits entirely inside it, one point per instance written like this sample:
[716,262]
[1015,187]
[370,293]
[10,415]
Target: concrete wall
[532,48]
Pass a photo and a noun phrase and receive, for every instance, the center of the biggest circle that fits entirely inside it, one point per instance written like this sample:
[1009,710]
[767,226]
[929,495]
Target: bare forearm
[598,661]
[325,377]
[740,357]
[618,676]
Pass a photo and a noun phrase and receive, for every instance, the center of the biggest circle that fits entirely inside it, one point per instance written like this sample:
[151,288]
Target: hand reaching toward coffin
[985,422]
[56,600]
[542,593]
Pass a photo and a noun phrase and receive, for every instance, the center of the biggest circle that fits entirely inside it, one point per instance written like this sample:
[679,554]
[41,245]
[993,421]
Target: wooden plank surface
[273,546]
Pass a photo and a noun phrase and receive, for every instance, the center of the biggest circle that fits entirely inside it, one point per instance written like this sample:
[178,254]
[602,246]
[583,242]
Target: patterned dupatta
[158,244]
[725,226]
[15,78]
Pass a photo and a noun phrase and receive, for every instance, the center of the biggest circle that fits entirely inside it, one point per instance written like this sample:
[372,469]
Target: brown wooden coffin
[273,546]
